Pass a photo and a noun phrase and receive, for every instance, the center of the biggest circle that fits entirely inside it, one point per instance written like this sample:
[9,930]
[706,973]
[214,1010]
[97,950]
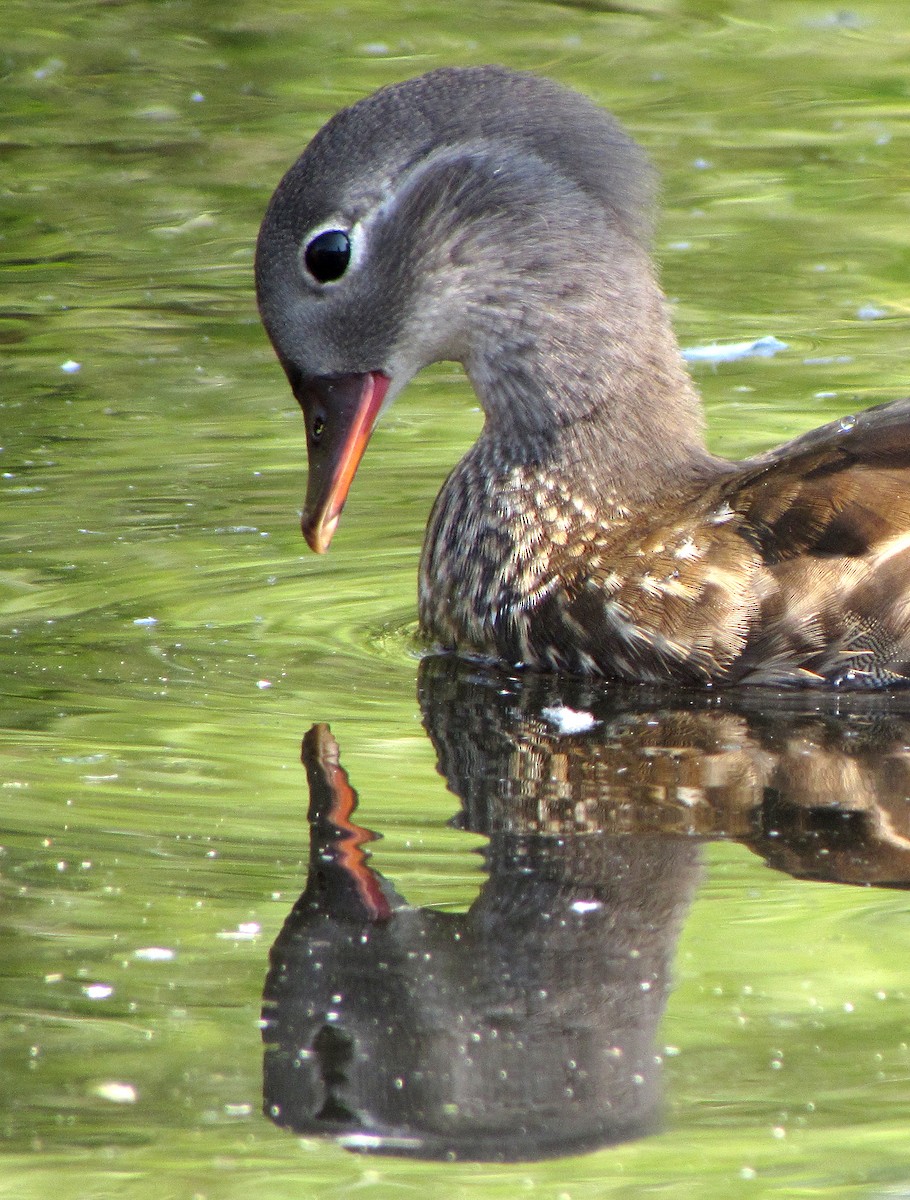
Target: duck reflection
[527,1026]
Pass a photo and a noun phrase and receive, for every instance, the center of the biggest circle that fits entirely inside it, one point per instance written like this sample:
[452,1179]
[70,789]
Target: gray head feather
[402,123]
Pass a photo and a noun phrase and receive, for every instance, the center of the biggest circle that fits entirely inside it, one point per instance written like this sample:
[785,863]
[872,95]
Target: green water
[166,641]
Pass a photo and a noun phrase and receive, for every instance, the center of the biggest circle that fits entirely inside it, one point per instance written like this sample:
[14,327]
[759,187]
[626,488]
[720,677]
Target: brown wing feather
[839,490]
[830,516]
[794,568]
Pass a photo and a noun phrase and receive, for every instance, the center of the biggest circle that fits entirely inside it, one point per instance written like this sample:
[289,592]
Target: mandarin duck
[499,220]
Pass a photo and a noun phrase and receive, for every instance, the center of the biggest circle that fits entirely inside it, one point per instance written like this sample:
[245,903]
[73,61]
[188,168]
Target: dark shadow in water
[527,1026]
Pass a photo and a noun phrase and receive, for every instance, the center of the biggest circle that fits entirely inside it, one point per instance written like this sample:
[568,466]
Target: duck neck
[593,388]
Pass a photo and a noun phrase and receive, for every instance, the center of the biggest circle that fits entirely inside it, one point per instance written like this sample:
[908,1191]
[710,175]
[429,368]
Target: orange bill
[340,413]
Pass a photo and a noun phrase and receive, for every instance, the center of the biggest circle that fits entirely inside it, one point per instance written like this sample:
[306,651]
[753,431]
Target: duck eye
[318,428]
[327,255]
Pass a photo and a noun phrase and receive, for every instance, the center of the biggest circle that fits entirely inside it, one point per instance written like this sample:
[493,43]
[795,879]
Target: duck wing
[789,568]
[829,514]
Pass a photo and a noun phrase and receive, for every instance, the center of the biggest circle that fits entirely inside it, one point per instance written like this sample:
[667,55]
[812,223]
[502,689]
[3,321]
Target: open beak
[340,413]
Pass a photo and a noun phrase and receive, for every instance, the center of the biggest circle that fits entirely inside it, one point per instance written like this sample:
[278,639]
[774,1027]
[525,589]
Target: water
[166,641]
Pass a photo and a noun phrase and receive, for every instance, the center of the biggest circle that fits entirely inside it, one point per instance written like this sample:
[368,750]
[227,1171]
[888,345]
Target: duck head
[483,216]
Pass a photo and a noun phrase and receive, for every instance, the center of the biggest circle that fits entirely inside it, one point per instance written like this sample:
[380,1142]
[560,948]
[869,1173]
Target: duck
[500,220]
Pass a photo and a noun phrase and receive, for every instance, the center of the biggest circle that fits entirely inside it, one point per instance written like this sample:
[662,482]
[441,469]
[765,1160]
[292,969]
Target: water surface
[166,641]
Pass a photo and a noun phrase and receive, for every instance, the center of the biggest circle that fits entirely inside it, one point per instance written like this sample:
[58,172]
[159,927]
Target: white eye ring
[328,255]
[330,251]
